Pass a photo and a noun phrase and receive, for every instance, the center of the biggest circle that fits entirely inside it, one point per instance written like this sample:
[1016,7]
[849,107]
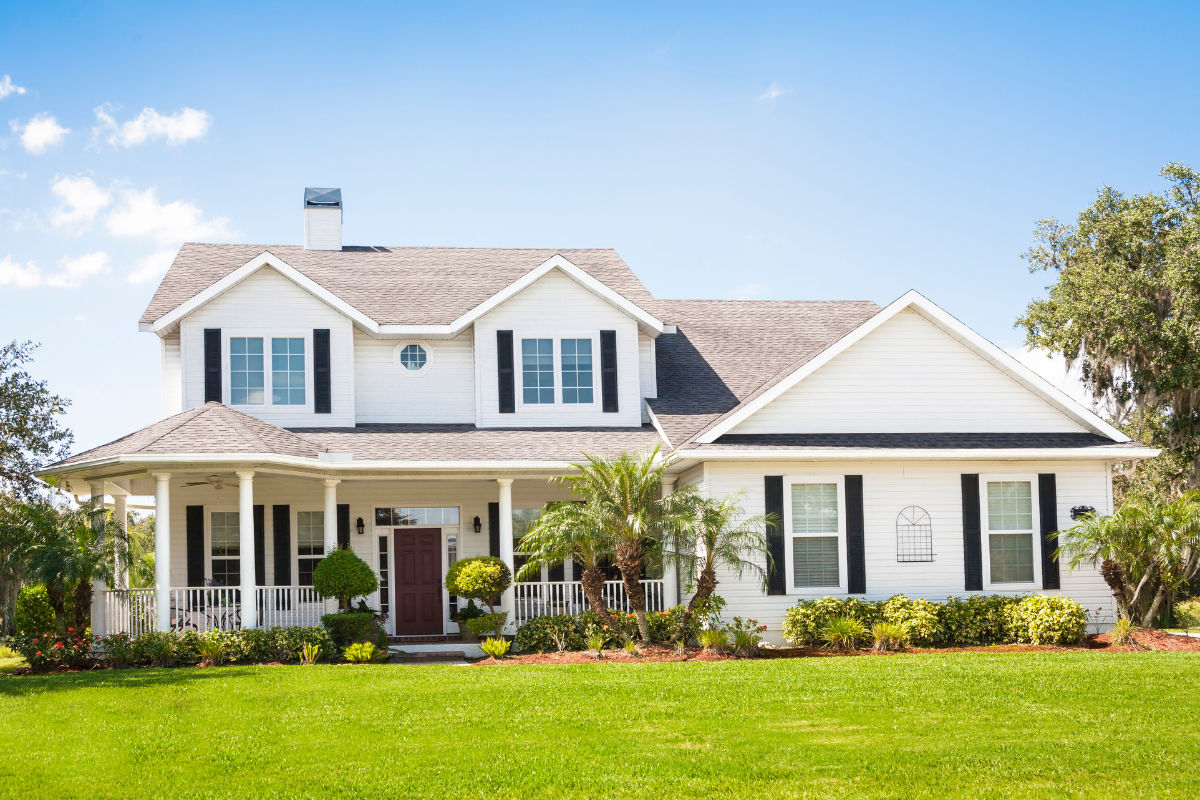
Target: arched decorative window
[914,535]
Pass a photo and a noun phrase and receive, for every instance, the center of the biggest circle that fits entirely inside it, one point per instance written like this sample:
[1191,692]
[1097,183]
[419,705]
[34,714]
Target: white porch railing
[289,605]
[204,608]
[129,611]
[548,598]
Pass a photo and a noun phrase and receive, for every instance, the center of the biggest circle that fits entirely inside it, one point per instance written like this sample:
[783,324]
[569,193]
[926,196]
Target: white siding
[444,392]
[171,385]
[556,307]
[888,488]
[907,376]
[268,304]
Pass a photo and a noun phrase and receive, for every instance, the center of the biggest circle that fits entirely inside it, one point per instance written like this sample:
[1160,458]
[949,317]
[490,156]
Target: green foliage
[309,654]
[344,575]
[1122,633]
[804,624]
[251,646]
[158,648]
[30,433]
[482,578]
[488,622]
[1043,619]
[361,652]
[118,649]
[888,636]
[631,648]
[496,647]
[714,640]
[44,651]
[212,649]
[549,635]
[34,613]
[1187,614]
[470,611]
[594,626]
[745,636]
[348,627]
[596,642]
[918,618]
[976,620]
[843,633]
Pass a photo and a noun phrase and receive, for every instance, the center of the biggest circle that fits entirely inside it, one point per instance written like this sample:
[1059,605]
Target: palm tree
[80,545]
[715,535]
[624,495]
[569,529]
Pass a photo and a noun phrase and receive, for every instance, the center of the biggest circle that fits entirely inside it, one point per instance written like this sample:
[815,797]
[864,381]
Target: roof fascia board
[657,425]
[265,259]
[975,454]
[951,326]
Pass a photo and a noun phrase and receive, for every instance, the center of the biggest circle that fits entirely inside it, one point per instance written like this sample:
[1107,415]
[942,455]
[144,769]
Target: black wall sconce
[478,525]
[1077,512]
[361,527]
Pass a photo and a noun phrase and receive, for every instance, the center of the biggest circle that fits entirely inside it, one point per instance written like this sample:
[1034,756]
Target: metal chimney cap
[322,198]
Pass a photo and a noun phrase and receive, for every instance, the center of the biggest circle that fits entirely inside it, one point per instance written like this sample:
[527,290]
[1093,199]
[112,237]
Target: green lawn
[956,725]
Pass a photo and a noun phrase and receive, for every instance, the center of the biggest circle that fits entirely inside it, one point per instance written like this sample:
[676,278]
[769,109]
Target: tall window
[287,372]
[310,542]
[537,370]
[246,384]
[1010,510]
[226,548]
[577,370]
[384,572]
[451,557]
[814,535]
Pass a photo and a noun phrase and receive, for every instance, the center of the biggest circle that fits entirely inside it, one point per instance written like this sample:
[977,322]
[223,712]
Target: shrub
[118,649]
[309,654]
[33,614]
[1187,614]
[344,575]
[1041,619]
[919,619]
[549,634]
[596,642]
[291,643]
[482,578]
[187,648]
[488,622]
[843,633]
[1122,633]
[471,611]
[158,649]
[7,653]
[212,650]
[745,636]
[804,624]
[594,626]
[714,640]
[631,648]
[44,651]
[361,652]
[888,636]
[976,619]
[348,627]
[663,624]
[496,647]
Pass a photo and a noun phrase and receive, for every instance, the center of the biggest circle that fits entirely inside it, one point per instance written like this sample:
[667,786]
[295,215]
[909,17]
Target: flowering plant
[44,651]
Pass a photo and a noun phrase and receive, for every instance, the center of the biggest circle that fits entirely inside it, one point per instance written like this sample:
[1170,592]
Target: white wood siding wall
[888,488]
[557,307]
[444,393]
[269,304]
[171,385]
[647,375]
[907,376]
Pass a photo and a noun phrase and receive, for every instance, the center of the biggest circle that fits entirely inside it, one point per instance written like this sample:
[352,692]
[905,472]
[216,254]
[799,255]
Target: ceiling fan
[215,481]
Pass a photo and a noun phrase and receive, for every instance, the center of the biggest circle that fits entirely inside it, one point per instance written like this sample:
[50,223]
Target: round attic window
[412,358]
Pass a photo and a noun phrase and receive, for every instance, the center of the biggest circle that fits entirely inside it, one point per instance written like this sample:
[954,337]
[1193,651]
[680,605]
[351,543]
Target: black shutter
[1048,508]
[608,370]
[260,545]
[972,534]
[282,539]
[195,545]
[212,366]
[505,376]
[494,529]
[343,525]
[322,391]
[773,495]
[557,573]
[856,555]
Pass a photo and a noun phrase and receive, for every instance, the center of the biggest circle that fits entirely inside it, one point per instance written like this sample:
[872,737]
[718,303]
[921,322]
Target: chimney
[322,219]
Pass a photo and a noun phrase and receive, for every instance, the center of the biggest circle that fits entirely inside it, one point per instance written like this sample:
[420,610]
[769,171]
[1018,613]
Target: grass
[961,725]
[10,665]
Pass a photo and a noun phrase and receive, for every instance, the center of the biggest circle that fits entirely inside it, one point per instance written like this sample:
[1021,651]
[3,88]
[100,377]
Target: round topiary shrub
[343,575]
[33,614]
[482,578]
[1043,619]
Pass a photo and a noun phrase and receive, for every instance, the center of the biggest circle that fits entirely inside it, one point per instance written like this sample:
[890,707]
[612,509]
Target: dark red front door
[418,581]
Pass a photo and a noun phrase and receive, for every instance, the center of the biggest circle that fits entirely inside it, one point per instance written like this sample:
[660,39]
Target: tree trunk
[706,584]
[629,561]
[1112,576]
[1152,612]
[593,589]
[83,605]
[54,595]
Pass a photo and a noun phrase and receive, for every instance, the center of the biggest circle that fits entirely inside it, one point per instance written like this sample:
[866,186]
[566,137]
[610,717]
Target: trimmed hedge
[1042,619]
[349,627]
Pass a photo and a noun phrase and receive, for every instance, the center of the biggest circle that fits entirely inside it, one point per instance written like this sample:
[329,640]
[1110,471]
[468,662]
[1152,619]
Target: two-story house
[414,402]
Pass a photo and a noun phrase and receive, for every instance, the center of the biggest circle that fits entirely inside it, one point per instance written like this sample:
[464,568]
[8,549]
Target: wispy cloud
[71,274]
[175,128]
[40,133]
[747,291]
[7,87]
[151,266]
[82,201]
[140,215]
[773,92]
[12,273]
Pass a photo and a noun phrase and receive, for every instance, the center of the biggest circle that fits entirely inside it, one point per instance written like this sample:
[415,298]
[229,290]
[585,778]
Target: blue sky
[798,151]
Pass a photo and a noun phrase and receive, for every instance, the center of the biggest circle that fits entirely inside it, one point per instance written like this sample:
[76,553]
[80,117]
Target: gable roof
[395,286]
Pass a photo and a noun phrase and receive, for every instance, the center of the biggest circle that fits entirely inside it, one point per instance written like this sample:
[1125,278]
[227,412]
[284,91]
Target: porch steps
[435,653]
[438,639]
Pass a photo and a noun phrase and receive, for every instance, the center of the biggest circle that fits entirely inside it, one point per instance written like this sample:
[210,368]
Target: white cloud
[73,272]
[773,92]
[7,87]
[151,267]
[1053,368]
[747,291]
[141,215]
[175,128]
[40,133]
[82,201]
[11,272]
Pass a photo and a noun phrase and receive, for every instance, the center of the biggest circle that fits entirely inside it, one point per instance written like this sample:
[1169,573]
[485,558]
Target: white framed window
[412,359]
[268,371]
[1011,556]
[225,548]
[537,371]
[247,377]
[815,521]
[576,357]
[287,371]
[558,373]
[310,544]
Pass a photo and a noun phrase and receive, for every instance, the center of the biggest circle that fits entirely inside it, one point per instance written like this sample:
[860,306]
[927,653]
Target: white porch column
[162,550]
[121,515]
[506,540]
[331,541]
[246,549]
[98,585]
[670,565]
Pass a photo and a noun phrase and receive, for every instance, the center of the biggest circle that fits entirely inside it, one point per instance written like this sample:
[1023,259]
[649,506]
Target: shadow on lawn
[20,685]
